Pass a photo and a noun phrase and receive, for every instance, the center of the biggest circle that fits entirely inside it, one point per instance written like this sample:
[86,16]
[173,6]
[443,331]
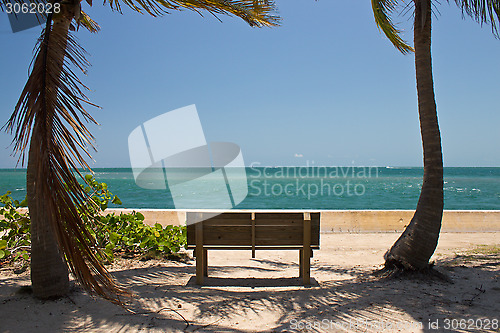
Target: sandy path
[263,294]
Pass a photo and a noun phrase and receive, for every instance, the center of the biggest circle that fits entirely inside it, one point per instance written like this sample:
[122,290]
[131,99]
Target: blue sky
[325,85]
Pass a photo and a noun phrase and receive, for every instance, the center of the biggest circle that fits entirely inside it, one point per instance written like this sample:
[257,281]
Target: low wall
[397,220]
[358,221]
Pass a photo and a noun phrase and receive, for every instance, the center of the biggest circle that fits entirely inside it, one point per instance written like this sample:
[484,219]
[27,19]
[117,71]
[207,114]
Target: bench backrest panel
[271,229]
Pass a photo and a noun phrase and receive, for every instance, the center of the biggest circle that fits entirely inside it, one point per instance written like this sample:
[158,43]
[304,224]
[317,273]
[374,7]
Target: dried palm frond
[255,12]
[382,11]
[88,23]
[49,116]
[482,11]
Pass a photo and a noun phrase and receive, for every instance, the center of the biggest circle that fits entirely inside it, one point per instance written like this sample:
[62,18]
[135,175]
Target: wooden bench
[253,231]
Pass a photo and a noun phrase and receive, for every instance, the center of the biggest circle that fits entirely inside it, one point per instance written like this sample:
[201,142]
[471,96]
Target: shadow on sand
[352,300]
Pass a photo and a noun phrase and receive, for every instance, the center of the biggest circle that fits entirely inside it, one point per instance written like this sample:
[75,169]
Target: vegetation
[124,234]
[415,246]
[15,243]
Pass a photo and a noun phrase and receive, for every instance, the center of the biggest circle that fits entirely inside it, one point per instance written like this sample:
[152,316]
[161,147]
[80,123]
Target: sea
[323,188]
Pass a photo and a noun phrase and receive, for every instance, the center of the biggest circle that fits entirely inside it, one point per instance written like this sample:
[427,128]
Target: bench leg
[199,253]
[300,263]
[306,253]
[205,262]
[306,266]
[199,267]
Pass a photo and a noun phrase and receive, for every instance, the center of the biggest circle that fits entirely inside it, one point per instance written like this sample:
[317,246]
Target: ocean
[342,188]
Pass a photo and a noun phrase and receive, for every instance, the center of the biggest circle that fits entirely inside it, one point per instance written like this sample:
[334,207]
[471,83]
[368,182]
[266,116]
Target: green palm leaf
[88,23]
[382,11]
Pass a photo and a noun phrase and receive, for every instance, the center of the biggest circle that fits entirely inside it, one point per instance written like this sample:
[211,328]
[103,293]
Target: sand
[265,295]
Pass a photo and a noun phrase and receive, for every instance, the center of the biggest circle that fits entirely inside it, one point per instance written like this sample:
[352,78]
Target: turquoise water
[311,188]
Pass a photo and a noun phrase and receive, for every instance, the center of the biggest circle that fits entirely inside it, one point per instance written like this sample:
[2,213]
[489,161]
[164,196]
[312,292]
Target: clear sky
[325,86]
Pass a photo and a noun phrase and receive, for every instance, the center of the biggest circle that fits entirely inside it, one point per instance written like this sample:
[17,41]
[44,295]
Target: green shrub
[15,240]
[124,234]
[128,235]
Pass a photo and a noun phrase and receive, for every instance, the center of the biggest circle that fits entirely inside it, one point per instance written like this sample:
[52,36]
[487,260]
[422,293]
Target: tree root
[394,270]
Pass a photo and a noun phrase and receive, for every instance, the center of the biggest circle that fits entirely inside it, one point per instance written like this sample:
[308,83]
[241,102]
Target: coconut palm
[416,245]
[48,123]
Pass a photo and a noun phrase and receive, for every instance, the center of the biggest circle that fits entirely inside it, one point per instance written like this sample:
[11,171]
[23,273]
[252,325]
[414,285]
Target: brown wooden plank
[315,228]
[236,223]
[292,234]
[284,219]
[232,216]
[300,262]
[273,218]
[241,239]
[277,242]
[191,239]
[283,223]
[278,216]
[278,236]
[278,230]
[230,219]
[205,262]
[223,235]
[306,254]
[242,235]
[207,231]
[253,235]
[199,253]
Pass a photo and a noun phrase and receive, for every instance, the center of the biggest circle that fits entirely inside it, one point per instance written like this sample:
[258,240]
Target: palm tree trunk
[418,242]
[49,270]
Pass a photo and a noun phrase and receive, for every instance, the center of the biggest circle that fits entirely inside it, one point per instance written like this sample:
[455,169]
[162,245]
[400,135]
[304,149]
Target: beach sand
[265,295]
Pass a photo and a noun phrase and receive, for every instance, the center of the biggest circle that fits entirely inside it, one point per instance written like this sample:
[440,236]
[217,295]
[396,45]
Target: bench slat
[242,235]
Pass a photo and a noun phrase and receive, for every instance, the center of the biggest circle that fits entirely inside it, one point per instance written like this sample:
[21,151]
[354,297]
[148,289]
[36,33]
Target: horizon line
[278,166]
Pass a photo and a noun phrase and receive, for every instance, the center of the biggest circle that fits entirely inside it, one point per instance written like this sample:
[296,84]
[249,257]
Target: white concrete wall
[357,221]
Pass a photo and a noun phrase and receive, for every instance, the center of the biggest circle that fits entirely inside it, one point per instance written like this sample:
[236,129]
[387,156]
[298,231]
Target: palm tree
[418,242]
[49,118]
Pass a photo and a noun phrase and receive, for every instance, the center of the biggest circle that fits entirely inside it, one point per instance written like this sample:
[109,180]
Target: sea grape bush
[100,196]
[128,235]
[124,234]
[14,230]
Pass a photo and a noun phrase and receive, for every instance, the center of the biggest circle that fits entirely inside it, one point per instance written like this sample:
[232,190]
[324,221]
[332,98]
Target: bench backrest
[259,229]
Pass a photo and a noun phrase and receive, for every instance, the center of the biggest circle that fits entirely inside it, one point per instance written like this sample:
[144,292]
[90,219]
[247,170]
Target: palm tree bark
[49,270]
[418,242]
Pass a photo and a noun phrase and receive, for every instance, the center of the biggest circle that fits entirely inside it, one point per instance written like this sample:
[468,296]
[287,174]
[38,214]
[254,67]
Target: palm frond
[483,12]
[382,11]
[88,23]
[49,116]
[254,12]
